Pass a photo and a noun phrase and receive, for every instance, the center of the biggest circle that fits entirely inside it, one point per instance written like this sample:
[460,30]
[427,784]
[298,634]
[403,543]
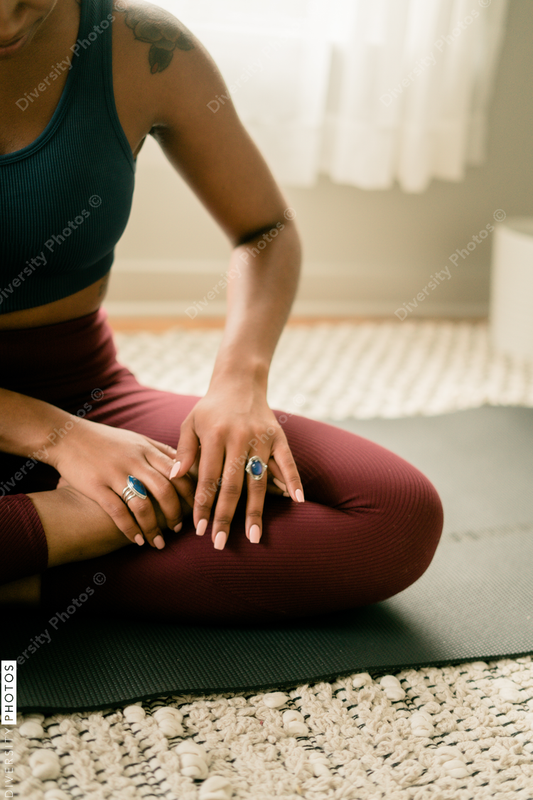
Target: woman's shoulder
[170,81]
[150,25]
[157,61]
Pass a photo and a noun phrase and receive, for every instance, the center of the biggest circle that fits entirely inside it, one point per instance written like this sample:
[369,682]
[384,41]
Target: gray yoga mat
[474,602]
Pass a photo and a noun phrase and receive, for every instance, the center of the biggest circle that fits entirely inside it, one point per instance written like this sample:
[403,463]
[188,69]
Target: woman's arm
[217,158]
[259,301]
[27,426]
[90,457]
[233,421]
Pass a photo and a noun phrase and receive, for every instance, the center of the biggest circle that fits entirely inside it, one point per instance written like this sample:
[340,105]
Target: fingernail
[286,494]
[299,495]
[200,528]
[139,539]
[178,527]
[220,540]
[175,469]
[159,542]
[280,484]
[255,534]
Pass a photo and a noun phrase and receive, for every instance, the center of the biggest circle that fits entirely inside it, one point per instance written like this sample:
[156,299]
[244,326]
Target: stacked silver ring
[133,489]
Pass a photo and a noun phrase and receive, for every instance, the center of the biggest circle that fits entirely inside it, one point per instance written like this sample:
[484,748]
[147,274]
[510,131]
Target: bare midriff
[76,305]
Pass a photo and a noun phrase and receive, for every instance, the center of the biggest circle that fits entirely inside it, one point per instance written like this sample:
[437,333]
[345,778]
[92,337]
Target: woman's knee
[412,522]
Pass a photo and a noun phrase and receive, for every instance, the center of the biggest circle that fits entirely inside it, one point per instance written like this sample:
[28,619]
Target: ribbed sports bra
[65,199]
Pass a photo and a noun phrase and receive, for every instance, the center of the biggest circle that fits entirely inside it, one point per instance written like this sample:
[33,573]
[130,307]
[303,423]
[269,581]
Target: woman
[100,476]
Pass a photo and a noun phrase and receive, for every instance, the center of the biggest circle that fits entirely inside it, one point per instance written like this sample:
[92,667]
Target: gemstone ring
[134,489]
[256,468]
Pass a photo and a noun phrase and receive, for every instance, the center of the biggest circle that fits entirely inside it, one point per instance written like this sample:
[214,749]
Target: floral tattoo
[154,26]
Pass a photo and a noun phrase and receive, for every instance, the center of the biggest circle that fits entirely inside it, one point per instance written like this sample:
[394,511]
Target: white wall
[365,252]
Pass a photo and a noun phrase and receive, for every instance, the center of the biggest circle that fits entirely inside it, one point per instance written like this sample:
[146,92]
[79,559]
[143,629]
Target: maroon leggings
[368,529]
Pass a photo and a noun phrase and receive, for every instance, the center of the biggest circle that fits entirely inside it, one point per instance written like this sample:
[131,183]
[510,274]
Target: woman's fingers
[209,481]
[275,480]
[255,502]
[275,485]
[175,495]
[230,491]
[166,449]
[94,461]
[113,505]
[137,517]
[144,514]
[187,451]
[281,453]
[184,486]
[164,493]
[229,488]
[220,459]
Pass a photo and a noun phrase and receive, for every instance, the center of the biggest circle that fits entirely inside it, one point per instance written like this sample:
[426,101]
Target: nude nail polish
[175,469]
[299,495]
[201,527]
[280,484]
[139,539]
[159,542]
[178,527]
[255,534]
[220,540]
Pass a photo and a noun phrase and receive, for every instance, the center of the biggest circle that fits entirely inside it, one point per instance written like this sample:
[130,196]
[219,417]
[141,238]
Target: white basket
[511,295]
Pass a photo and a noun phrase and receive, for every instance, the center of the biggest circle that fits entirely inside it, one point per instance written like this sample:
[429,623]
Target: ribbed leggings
[368,529]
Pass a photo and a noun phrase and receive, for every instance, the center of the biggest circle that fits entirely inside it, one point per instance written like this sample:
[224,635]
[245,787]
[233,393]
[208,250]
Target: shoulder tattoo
[157,28]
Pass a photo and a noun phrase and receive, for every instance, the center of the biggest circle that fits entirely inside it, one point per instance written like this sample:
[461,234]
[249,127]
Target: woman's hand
[96,459]
[226,427]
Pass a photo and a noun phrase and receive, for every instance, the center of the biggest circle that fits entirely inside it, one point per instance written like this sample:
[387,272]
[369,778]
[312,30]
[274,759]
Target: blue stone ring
[134,489]
[256,468]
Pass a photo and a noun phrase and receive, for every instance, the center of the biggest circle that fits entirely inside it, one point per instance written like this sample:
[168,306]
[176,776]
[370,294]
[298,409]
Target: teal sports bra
[66,198]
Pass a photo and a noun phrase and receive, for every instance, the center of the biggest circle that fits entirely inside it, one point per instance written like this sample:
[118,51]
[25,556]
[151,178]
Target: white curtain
[364,91]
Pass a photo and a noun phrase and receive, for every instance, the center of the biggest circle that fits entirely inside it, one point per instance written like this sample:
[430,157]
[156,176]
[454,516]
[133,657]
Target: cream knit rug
[457,733]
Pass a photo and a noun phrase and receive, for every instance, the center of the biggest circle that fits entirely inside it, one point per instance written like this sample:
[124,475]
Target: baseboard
[140,288]
[305,309]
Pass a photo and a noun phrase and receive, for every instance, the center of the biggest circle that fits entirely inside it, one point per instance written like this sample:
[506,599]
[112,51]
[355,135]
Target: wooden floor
[160,324]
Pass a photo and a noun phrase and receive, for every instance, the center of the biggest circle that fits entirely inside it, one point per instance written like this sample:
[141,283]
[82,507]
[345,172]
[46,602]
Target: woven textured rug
[339,371]
[451,732]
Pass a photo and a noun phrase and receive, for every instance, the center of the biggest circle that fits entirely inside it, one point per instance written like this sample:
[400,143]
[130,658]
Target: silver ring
[133,489]
[256,468]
